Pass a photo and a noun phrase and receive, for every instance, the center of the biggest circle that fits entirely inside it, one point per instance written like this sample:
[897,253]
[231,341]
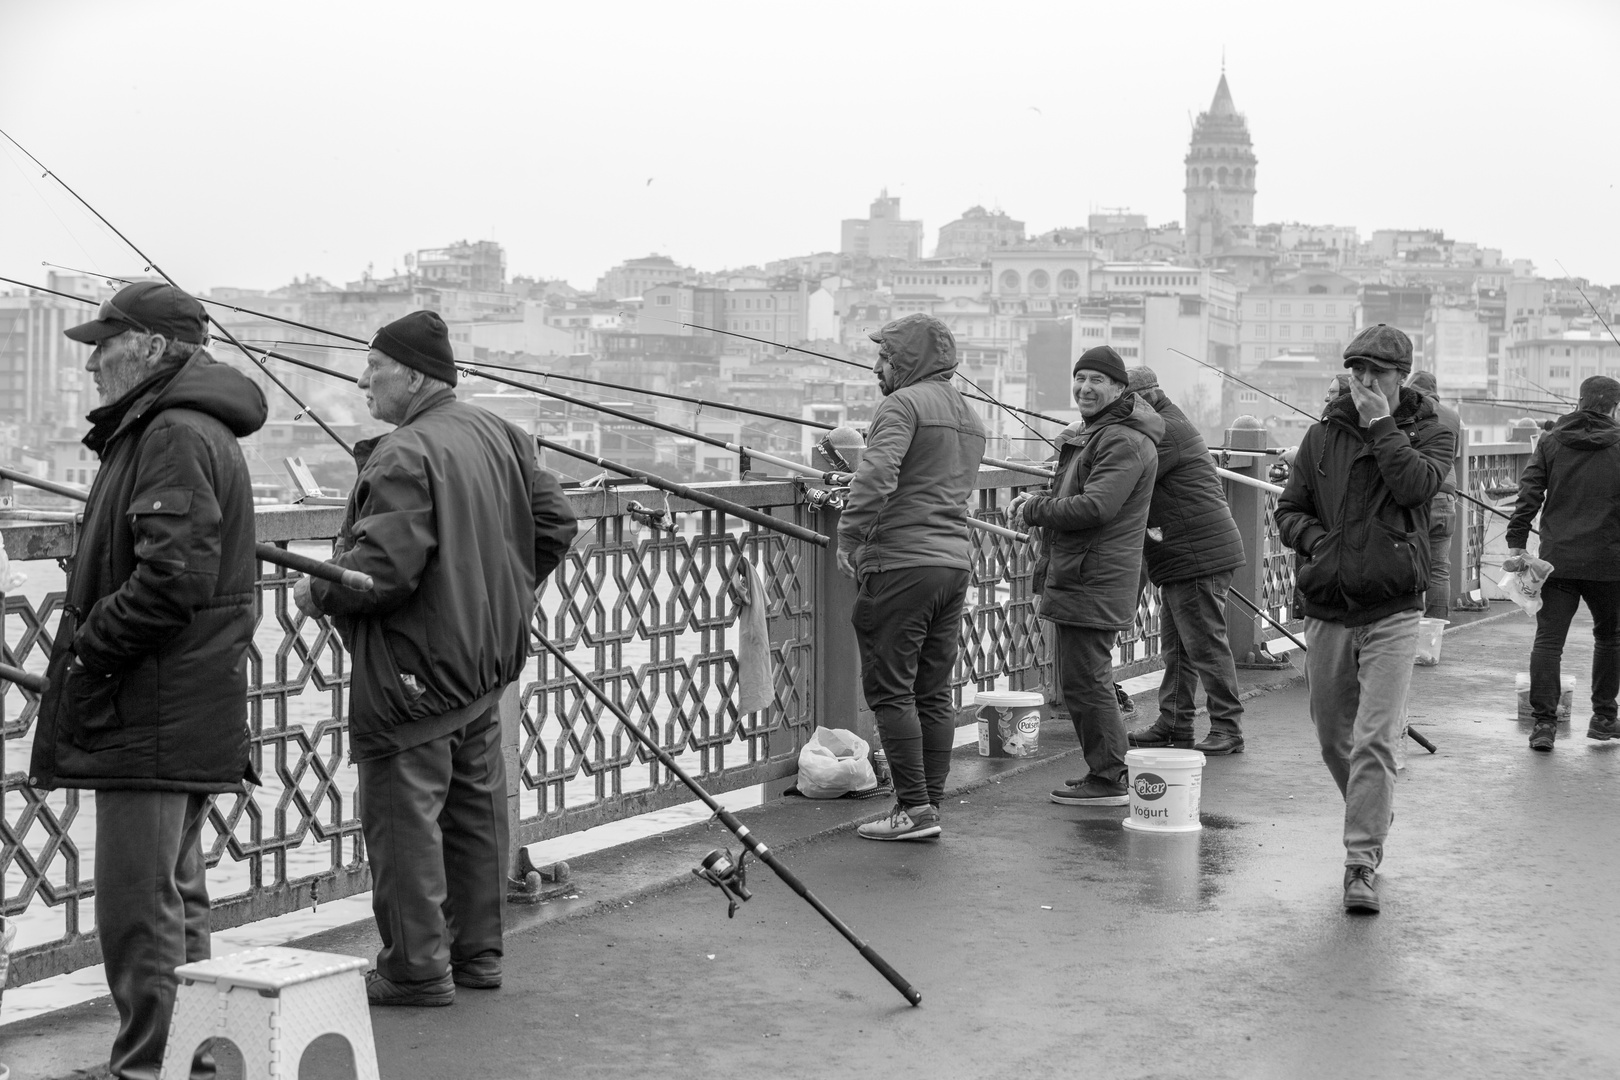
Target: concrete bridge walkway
[1048,941]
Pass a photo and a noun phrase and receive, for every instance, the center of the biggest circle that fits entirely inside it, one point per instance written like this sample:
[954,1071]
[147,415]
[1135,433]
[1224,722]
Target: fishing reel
[658,519]
[832,498]
[731,878]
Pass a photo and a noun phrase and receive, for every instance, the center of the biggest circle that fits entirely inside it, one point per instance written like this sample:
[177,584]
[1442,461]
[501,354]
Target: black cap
[151,307]
[419,340]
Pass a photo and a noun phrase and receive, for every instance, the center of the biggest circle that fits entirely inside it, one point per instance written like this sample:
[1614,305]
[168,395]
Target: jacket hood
[1586,430]
[1412,406]
[921,348]
[1129,409]
[219,390]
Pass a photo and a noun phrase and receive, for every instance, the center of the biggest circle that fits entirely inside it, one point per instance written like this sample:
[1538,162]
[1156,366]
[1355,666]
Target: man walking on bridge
[903,536]
[1356,511]
[457,524]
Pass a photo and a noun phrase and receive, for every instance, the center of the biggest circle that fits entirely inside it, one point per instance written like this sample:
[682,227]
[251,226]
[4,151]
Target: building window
[1039,281]
[1307,330]
[1282,309]
[1309,309]
[1010,280]
[1282,331]
[663,299]
[1068,281]
[1127,350]
[1260,307]
[1260,331]
[1328,309]
[1259,352]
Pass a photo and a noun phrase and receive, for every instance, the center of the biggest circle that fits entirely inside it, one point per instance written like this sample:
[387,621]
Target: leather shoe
[381,990]
[479,973]
[1217,743]
[1360,890]
[1154,735]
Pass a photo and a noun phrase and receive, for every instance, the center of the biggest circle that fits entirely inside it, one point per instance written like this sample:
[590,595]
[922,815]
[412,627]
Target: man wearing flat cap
[148,673]
[1092,524]
[457,524]
[1356,513]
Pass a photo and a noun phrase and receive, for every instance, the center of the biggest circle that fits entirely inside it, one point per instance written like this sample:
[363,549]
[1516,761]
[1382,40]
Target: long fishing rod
[1227,374]
[34,684]
[1550,393]
[1009,409]
[324,426]
[718,868]
[291,560]
[1589,303]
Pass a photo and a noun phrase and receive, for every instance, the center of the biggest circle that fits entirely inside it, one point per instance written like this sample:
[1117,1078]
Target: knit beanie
[1104,359]
[419,340]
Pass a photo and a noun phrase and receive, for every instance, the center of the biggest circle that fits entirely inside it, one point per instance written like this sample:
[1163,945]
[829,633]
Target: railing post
[1464,577]
[838,699]
[511,714]
[1248,505]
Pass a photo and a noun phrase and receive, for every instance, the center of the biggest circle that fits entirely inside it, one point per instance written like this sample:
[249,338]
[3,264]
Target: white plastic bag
[1523,587]
[833,763]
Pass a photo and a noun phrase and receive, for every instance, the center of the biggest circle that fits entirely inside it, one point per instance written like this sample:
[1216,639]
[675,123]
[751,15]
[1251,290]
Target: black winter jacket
[1092,527]
[159,609]
[456,522]
[1573,479]
[1356,510]
[1199,538]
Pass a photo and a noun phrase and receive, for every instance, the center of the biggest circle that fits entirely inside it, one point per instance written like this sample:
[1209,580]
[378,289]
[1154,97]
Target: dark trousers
[1442,518]
[1559,599]
[1086,669]
[1193,642]
[152,914]
[434,818]
[908,624]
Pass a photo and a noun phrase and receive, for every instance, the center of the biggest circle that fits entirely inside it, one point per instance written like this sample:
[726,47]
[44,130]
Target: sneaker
[479,973]
[1157,736]
[429,992]
[1603,730]
[1127,707]
[1360,890]
[917,823]
[1217,743]
[1092,791]
[1542,735]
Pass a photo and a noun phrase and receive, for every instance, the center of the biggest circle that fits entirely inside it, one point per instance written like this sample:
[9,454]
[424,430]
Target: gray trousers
[1193,642]
[1086,671]
[1442,520]
[434,819]
[1358,677]
[152,914]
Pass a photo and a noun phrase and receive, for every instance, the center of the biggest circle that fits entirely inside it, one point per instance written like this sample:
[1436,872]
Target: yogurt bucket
[1164,787]
[1009,722]
[1566,696]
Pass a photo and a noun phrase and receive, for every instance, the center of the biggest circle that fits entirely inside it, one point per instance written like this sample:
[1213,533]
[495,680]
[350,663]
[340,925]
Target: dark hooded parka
[159,606]
[1573,480]
[908,503]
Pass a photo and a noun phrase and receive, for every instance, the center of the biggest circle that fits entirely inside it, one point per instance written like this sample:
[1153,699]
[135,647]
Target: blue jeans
[1442,517]
[1193,642]
[1559,599]
[1358,678]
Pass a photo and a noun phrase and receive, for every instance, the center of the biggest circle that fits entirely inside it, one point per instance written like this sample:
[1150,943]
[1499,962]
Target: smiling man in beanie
[148,679]
[1093,523]
[457,524]
[1356,512]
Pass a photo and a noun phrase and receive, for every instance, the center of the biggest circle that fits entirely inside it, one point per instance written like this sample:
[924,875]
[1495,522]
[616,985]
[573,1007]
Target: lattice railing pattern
[1276,579]
[1493,477]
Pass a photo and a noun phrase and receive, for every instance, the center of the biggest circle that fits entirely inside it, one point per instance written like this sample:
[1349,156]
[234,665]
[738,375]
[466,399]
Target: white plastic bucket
[1009,722]
[1164,787]
[1430,633]
[1566,695]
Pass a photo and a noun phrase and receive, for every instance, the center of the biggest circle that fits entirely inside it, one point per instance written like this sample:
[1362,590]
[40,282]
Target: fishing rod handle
[326,571]
[896,980]
[37,684]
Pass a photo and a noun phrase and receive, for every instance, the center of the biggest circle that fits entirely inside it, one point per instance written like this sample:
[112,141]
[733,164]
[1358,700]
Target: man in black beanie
[457,524]
[1093,522]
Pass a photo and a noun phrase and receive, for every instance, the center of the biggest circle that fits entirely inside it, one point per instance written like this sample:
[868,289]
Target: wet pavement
[1049,940]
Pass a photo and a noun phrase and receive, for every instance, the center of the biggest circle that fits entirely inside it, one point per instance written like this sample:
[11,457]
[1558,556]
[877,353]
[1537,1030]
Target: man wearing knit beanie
[458,525]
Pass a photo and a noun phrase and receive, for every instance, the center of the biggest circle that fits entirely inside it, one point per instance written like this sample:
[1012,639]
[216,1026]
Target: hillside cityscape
[1214,295]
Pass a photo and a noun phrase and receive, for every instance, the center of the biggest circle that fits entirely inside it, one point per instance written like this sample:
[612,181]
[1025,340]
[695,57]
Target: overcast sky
[244,143]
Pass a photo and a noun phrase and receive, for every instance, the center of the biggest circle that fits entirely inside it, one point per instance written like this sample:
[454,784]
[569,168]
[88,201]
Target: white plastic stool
[272,1002]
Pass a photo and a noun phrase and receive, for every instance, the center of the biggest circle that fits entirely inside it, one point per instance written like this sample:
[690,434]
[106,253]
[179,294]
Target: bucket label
[1150,787]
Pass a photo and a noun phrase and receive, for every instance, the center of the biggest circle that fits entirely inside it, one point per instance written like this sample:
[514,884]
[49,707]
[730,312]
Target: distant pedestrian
[1573,481]
[904,537]
[457,524]
[1356,511]
[148,697]
[1443,509]
[1092,525]
[1193,546]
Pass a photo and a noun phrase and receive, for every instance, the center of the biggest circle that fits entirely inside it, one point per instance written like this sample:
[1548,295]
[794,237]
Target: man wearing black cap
[1093,524]
[457,524]
[1356,513]
[148,680]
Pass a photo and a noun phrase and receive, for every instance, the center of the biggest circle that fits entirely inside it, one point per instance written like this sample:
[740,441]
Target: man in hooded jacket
[1356,512]
[1193,546]
[1093,524]
[148,673]
[903,536]
[1573,480]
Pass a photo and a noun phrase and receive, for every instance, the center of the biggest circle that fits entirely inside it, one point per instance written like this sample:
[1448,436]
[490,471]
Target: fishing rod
[165,276]
[35,684]
[353,579]
[1589,303]
[718,869]
[1009,409]
[1549,393]
[1227,374]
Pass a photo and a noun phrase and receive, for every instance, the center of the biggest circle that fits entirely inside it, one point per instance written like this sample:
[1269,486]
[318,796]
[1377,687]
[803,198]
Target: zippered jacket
[1356,510]
[1573,480]
[1198,537]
